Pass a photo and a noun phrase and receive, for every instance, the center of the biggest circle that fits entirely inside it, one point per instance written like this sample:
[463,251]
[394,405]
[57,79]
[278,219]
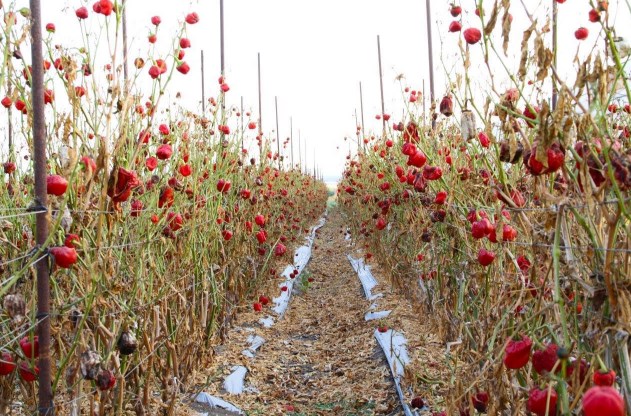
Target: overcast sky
[315,53]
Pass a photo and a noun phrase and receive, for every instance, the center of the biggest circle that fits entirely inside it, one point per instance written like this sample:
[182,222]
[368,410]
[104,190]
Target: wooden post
[45,394]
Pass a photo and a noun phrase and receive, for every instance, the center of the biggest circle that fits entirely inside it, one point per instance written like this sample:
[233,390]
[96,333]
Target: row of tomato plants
[509,228]
[161,223]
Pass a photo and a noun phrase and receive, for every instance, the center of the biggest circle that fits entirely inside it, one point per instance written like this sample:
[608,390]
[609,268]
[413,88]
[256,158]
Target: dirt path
[321,358]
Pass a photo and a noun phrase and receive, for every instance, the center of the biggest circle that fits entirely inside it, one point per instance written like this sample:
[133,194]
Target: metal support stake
[291,140]
[361,103]
[431,57]
[260,111]
[555,91]
[383,109]
[39,149]
[203,87]
[277,135]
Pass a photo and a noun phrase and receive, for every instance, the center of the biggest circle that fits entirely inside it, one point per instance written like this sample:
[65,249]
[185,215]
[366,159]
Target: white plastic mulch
[393,343]
[216,403]
[235,382]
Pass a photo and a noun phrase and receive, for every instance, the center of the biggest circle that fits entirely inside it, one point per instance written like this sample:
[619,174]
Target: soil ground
[321,358]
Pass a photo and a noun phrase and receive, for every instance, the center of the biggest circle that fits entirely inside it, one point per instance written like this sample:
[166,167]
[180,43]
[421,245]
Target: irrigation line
[562,247]
[2,284]
[20,335]
[116,246]
[487,208]
[25,214]
[5,209]
[150,303]
[91,211]
[4,263]
[137,243]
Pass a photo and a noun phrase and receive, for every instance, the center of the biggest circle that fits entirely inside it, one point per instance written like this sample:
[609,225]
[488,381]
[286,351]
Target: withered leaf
[524,51]
[490,24]
[544,58]
[506,26]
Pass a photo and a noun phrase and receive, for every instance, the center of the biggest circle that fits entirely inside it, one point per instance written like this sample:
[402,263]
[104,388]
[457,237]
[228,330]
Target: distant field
[332,188]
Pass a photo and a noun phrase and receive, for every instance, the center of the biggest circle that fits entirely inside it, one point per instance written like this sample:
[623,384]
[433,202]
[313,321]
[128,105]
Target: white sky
[315,53]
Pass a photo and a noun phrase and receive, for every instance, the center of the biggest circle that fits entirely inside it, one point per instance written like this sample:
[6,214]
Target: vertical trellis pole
[242,127]
[223,68]
[260,110]
[10,124]
[299,151]
[291,140]
[45,398]
[277,135]
[361,103]
[424,101]
[203,87]
[306,170]
[554,51]
[221,38]
[383,108]
[357,133]
[430,52]
[125,50]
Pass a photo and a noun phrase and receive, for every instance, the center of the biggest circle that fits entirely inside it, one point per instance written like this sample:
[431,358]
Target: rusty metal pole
[260,111]
[39,157]
[203,87]
[554,51]
[431,57]
[277,135]
[125,52]
[383,109]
